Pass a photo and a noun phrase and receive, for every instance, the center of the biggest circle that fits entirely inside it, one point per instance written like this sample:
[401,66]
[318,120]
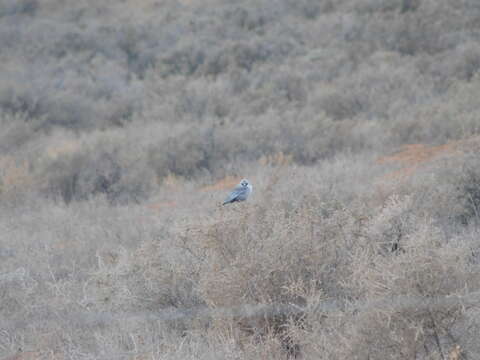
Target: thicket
[116,118]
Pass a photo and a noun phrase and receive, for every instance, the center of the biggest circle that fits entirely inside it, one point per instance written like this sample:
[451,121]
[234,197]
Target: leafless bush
[124,124]
[79,176]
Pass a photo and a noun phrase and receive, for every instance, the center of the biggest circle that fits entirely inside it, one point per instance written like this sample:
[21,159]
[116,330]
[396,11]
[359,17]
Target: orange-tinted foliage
[226,183]
[162,205]
[14,174]
[412,156]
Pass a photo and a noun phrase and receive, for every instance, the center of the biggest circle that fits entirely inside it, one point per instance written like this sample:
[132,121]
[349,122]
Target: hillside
[124,124]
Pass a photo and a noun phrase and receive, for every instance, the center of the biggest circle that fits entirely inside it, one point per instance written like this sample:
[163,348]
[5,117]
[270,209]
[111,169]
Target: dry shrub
[274,256]
[398,308]
[467,186]
[453,200]
[23,7]
[425,269]
[98,170]
[278,159]
[127,122]
[455,120]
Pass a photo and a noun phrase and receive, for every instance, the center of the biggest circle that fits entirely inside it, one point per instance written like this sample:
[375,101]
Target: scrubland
[123,124]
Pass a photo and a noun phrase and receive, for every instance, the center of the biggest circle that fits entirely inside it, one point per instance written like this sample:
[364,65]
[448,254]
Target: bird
[239,193]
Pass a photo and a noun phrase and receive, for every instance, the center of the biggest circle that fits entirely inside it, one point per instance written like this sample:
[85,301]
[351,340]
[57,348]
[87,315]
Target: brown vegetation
[123,125]
[412,156]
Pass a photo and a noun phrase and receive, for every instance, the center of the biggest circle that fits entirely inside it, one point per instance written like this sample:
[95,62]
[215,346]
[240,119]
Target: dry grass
[14,176]
[176,282]
[123,125]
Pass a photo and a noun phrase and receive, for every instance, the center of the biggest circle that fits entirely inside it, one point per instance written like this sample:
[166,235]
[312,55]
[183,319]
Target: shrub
[22,7]
[124,124]
[79,176]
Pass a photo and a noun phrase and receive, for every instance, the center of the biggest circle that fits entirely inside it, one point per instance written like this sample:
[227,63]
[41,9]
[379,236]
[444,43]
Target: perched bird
[240,193]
